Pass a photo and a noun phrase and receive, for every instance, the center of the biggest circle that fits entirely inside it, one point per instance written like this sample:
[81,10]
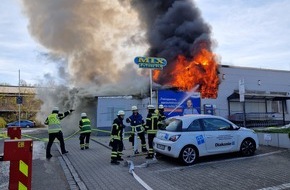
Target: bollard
[19,153]
[14,132]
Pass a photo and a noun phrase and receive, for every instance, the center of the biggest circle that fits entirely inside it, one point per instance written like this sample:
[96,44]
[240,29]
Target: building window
[278,108]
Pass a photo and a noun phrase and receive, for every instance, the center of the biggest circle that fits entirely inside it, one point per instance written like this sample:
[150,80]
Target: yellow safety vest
[53,123]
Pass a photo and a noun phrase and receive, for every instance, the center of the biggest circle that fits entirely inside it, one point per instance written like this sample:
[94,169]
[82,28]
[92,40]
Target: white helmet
[160,106]
[121,112]
[150,107]
[134,108]
[83,115]
[55,109]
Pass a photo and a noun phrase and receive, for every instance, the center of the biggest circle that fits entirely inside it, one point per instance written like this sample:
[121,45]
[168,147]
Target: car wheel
[27,126]
[248,147]
[188,155]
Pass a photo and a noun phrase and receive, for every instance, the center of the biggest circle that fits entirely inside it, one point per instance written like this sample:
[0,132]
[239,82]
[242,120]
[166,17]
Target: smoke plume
[94,43]
[174,27]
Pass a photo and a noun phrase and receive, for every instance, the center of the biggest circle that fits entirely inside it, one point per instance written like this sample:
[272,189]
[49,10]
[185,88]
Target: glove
[71,110]
[127,120]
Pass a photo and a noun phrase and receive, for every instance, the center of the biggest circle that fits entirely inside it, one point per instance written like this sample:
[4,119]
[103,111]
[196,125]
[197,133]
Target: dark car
[23,124]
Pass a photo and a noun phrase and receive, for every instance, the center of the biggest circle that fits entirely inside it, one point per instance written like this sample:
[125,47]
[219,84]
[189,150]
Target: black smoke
[174,27]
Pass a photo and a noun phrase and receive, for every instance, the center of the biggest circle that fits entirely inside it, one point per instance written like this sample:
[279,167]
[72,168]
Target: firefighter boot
[119,158]
[149,156]
[115,162]
[144,150]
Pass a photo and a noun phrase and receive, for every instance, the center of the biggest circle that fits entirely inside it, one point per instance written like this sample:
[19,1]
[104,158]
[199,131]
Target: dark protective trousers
[117,148]
[150,144]
[85,140]
[51,137]
[142,138]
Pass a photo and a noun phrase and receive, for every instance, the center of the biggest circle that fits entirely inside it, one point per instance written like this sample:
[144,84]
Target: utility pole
[150,75]
[19,98]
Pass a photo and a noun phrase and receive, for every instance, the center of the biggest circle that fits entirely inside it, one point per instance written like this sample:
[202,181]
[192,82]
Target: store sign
[150,62]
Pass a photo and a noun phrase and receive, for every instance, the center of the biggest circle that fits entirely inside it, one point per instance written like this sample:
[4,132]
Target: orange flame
[185,74]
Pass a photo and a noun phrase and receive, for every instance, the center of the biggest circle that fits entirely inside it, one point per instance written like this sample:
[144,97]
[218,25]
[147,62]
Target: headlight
[174,138]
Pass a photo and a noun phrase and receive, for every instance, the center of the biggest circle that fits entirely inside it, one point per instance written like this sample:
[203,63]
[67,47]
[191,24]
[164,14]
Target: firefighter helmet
[134,108]
[150,107]
[121,112]
[160,106]
[55,109]
[83,115]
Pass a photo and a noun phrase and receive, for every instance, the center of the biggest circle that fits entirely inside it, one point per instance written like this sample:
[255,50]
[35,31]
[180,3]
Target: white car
[191,136]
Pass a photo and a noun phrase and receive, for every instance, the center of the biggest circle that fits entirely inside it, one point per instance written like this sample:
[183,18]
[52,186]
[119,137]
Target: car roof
[187,119]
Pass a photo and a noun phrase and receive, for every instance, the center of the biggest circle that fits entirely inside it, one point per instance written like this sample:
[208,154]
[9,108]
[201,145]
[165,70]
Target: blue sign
[179,102]
[19,100]
[150,62]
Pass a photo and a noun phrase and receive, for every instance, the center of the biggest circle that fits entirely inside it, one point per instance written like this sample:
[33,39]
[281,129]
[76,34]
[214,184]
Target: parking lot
[268,168]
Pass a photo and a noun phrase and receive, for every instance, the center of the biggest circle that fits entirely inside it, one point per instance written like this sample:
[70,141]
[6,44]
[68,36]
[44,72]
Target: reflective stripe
[114,154]
[151,131]
[115,137]
[21,186]
[23,168]
[87,131]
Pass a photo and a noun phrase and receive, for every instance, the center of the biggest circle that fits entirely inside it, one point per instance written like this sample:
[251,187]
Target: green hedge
[274,130]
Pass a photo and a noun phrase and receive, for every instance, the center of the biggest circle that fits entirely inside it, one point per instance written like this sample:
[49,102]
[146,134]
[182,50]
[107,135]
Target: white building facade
[266,94]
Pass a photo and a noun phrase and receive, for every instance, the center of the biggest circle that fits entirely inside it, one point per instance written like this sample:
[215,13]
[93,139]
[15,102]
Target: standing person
[161,116]
[117,137]
[85,133]
[189,108]
[151,128]
[137,122]
[54,129]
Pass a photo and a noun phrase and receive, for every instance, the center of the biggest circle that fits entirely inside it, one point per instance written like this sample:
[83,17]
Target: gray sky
[248,33]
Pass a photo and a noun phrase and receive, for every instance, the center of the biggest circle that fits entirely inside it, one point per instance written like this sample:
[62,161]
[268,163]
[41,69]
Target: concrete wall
[274,139]
[107,108]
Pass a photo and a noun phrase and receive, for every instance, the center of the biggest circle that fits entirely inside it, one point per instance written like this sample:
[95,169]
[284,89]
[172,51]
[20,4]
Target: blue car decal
[199,139]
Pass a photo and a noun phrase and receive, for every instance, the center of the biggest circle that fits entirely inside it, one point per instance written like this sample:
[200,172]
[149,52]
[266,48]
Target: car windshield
[173,124]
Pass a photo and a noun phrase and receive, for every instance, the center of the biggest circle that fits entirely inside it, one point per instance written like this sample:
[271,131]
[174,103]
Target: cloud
[250,33]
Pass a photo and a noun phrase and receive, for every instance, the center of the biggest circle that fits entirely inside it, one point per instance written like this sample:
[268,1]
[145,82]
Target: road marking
[219,161]
[278,187]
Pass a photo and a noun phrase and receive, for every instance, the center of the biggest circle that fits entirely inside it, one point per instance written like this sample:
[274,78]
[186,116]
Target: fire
[185,74]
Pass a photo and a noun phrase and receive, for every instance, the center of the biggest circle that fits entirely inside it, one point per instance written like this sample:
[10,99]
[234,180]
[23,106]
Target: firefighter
[137,122]
[85,131]
[117,138]
[54,129]
[151,128]
[161,116]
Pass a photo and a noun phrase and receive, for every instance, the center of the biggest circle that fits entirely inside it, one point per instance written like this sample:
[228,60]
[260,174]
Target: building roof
[259,96]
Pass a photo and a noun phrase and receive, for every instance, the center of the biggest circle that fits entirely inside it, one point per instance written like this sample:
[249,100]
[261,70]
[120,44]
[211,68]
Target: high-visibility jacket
[151,123]
[136,122]
[117,129]
[85,125]
[53,123]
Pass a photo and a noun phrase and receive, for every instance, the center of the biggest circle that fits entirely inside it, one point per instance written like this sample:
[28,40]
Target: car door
[196,135]
[219,135]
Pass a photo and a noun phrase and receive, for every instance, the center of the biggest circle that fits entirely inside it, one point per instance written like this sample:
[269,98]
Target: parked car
[22,124]
[191,136]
